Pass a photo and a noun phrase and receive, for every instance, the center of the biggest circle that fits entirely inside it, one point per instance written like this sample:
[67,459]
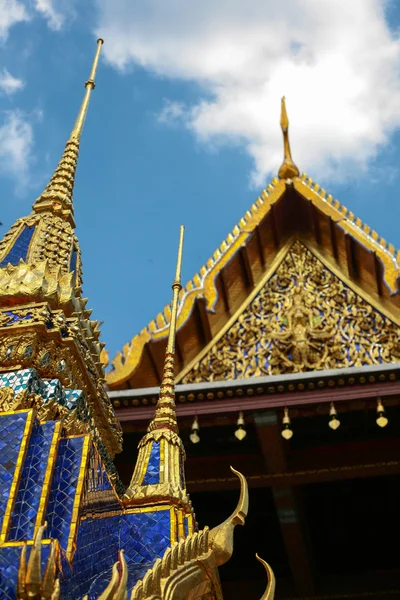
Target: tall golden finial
[89,85]
[165,415]
[288,169]
[57,197]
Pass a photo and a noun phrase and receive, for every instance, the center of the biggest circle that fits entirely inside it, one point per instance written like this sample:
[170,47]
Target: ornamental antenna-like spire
[57,197]
[165,415]
[288,169]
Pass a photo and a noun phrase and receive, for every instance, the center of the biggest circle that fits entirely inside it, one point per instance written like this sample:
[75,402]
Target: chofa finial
[165,415]
[288,169]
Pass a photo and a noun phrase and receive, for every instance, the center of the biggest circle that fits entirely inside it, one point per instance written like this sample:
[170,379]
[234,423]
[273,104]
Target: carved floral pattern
[303,319]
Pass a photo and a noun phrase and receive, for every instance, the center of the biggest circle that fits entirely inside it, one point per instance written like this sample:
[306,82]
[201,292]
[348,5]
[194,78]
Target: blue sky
[183,125]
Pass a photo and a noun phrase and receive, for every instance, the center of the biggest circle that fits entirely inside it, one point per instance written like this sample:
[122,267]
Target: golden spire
[288,169]
[165,415]
[57,197]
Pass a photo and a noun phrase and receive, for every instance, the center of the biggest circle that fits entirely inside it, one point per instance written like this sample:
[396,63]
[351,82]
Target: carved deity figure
[302,344]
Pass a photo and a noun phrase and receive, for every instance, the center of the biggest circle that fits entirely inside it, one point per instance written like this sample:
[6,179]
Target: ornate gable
[304,318]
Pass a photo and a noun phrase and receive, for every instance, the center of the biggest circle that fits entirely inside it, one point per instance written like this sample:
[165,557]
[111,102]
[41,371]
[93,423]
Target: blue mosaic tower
[64,514]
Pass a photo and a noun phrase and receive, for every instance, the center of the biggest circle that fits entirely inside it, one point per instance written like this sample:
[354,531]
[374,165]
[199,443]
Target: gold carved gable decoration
[303,319]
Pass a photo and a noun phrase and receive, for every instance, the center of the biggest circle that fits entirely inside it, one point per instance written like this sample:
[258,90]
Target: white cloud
[54,17]
[172,111]
[16,140]
[11,12]
[9,84]
[54,11]
[336,62]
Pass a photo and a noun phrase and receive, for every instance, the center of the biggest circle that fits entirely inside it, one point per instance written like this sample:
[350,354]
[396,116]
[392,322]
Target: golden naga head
[188,568]
[221,537]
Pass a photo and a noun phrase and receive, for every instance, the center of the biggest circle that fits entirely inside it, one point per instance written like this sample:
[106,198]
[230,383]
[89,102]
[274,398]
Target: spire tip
[288,169]
[165,415]
[58,193]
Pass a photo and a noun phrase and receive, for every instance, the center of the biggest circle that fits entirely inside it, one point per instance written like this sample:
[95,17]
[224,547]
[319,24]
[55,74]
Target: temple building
[69,527]
[288,367]
[281,357]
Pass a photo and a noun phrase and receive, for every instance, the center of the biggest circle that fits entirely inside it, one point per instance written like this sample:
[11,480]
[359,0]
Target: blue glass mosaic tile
[73,263]
[21,380]
[27,502]
[73,398]
[14,318]
[152,475]
[97,551]
[143,536]
[63,488]
[11,434]
[186,526]
[146,535]
[9,562]
[20,247]
[97,478]
[52,388]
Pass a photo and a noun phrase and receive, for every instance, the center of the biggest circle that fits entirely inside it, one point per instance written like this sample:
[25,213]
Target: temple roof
[285,211]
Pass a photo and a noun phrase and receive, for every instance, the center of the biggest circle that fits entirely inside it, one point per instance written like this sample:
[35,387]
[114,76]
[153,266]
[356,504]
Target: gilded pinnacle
[165,415]
[288,169]
[57,197]
[89,85]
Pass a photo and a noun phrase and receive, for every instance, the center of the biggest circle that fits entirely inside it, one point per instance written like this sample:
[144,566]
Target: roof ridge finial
[288,169]
[57,196]
[165,414]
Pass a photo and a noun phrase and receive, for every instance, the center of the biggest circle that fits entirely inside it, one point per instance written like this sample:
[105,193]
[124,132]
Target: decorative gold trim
[144,509]
[163,448]
[354,226]
[127,511]
[172,525]
[181,526]
[48,477]
[14,412]
[27,542]
[78,498]
[17,473]
[190,524]
[145,462]
[279,258]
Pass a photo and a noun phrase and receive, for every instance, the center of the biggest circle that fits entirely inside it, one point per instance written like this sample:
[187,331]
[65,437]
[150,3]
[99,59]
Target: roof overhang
[270,392]
[285,211]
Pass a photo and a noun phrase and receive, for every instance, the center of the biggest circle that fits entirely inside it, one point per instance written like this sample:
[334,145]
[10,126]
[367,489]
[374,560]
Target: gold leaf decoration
[304,319]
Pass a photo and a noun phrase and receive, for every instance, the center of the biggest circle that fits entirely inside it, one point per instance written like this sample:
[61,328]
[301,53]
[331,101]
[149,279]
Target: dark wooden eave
[260,393]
